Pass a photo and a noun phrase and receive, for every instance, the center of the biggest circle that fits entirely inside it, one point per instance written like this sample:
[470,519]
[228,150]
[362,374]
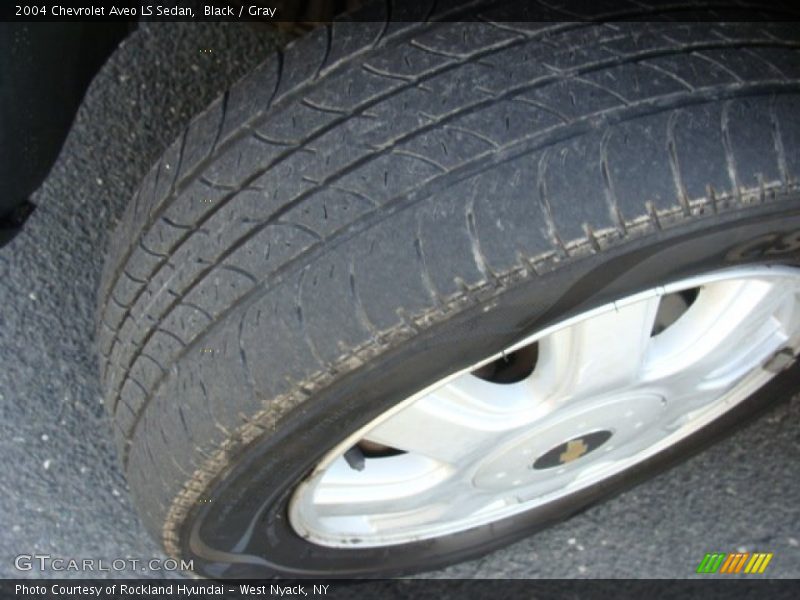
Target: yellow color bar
[756,558]
[758,563]
[764,564]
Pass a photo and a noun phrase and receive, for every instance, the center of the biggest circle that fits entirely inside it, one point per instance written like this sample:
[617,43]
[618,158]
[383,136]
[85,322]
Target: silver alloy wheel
[609,388]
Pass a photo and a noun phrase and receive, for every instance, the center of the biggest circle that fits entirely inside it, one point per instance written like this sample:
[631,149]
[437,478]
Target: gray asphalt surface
[63,492]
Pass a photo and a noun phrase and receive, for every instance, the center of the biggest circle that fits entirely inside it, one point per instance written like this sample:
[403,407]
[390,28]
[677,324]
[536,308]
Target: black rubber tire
[388,202]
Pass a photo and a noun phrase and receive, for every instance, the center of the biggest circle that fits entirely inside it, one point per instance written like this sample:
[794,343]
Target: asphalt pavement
[62,490]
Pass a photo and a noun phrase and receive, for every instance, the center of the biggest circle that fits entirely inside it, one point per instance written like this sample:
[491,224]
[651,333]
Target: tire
[386,204]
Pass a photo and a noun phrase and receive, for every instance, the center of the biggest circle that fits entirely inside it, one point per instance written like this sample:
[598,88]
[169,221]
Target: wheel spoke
[346,490]
[732,328]
[596,355]
[350,496]
[456,421]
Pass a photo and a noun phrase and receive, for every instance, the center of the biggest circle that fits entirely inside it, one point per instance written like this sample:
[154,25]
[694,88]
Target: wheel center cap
[570,437]
[572,450]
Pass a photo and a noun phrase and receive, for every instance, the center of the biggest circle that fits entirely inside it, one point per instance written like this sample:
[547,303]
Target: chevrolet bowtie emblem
[575,449]
[571,450]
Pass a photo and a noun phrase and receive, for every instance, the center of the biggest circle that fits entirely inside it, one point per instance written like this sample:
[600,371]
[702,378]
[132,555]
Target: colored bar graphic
[723,563]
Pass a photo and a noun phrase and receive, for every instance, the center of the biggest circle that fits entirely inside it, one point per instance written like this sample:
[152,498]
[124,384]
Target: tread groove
[544,108]
[172,223]
[544,205]
[730,161]
[780,151]
[719,65]
[151,252]
[326,54]
[223,116]
[475,244]
[202,311]
[608,186]
[302,322]
[158,364]
[322,109]
[361,312]
[422,158]
[251,383]
[427,280]
[669,74]
[136,279]
[179,165]
[674,164]
[373,71]
[240,271]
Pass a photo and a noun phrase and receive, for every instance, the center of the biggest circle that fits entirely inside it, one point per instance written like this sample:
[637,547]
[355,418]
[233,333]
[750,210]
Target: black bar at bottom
[416,589]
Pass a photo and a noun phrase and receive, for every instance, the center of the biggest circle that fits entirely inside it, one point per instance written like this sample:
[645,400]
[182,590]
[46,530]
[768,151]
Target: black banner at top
[311,11]
[144,10]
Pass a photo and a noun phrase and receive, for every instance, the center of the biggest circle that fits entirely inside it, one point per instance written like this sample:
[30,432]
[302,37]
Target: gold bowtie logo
[575,449]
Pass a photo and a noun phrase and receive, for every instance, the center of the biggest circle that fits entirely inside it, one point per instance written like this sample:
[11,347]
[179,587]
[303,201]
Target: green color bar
[718,563]
[711,562]
[701,568]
